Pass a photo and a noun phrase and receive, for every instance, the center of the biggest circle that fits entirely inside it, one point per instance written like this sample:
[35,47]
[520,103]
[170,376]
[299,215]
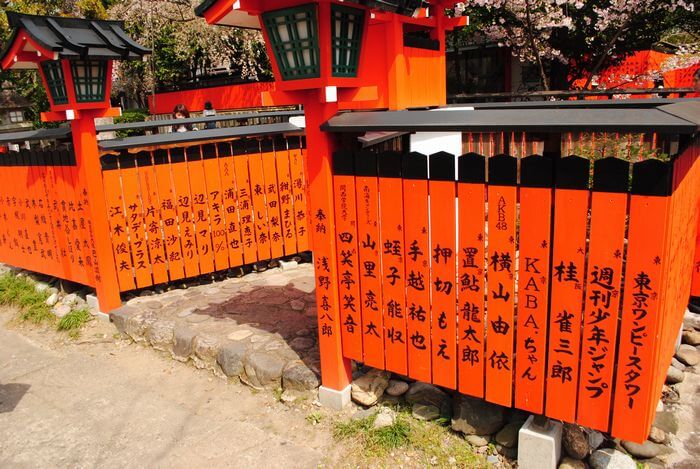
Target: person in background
[181,112]
[209,111]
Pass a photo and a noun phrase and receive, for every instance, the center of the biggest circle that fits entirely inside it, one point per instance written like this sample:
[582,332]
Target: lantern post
[332,55]
[74,58]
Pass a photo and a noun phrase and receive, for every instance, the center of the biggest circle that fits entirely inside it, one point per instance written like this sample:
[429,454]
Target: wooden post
[90,177]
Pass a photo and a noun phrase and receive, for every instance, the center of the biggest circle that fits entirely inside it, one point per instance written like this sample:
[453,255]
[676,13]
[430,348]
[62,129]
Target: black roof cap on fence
[503,170]
[472,168]
[536,171]
[365,163]
[572,172]
[224,149]
[415,166]
[442,166]
[343,163]
[557,120]
[652,177]
[389,164]
[75,38]
[611,175]
[160,156]
[34,135]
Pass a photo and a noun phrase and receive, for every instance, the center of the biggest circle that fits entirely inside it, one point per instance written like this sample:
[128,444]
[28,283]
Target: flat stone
[206,351]
[575,441]
[297,376]
[674,375]
[303,333]
[508,453]
[153,304]
[297,305]
[302,343]
[198,318]
[363,414]
[70,299]
[595,439]
[263,369]
[368,388]
[183,344]
[256,339]
[396,387]
[492,459]
[667,421]
[62,310]
[385,418]
[609,458]
[477,440]
[688,355]
[160,335]
[186,312]
[477,417]
[570,463]
[120,315]
[691,337]
[310,311]
[691,321]
[52,299]
[137,325]
[657,435]
[240,334]
[305,284]
[425,412]
[508,435]
[230,358]
[288,265]
[676,364]
[646,450]
[424,393]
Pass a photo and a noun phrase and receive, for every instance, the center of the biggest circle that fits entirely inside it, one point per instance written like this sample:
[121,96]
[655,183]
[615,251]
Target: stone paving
[260,328]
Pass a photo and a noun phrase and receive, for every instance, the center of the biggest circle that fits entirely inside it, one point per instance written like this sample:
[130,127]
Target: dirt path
[111,404]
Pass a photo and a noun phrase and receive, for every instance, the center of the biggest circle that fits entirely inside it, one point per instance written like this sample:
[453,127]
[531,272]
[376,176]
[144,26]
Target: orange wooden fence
[173,212]
[554,285]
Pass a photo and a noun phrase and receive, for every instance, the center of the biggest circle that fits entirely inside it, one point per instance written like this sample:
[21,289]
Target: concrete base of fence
[333,398]
[539,444]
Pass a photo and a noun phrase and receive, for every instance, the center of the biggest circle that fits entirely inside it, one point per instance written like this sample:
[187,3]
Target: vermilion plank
[286,196]
[152,220]
[443,241]
[346,253]
[272,203]
[471,191]
[392,261]
[245,202]
[296,157]
[185,217]
[533,282]
[257,187]
[568,264]
[215,202]
[417,261]
[200,209]
[230,204]
[367,197]
[502,200]
[602,302]
[168,214]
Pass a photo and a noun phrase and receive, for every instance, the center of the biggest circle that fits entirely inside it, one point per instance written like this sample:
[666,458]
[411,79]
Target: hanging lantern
[293,34]
[89,80]
[347,25]
[55,81]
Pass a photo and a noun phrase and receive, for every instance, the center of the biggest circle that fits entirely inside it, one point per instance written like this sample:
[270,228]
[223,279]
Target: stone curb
[229,358]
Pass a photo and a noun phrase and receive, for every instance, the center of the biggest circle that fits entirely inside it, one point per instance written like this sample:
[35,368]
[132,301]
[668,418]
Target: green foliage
[131,115]
[21,292]
[74,320]
[314,418]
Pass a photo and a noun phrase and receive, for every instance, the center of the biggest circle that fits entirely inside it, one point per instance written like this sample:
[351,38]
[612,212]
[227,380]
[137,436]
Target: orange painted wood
[230,204]
[272,202]
[470,274]
[215,202]
[417,261]
[533,297]
[286,196]
[118,225]
[368,238]
[152,218]
[200,209]
[296,158]
[499,364]
[568,263]
[257,187]
[602,304]
[135,220]
[347,260]
[634,396]
[168,213]
[392,262]
[245,203]
[185,217]
[443,276]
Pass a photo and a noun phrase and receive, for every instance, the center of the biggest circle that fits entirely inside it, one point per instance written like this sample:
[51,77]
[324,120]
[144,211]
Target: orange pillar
[335,368]
[90,177]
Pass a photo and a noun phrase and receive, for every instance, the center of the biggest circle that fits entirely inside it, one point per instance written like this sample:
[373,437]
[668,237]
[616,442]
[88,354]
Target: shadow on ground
[10,395]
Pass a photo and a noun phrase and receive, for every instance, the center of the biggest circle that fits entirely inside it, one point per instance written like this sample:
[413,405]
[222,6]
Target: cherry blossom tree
[583,35]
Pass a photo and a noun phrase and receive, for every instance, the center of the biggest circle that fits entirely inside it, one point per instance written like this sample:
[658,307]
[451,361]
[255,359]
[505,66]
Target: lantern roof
[243,14]
[35,38]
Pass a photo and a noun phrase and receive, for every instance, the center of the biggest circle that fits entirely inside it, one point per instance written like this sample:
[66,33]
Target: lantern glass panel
[89,80]
[55,81]
[347,25]
[293,34]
